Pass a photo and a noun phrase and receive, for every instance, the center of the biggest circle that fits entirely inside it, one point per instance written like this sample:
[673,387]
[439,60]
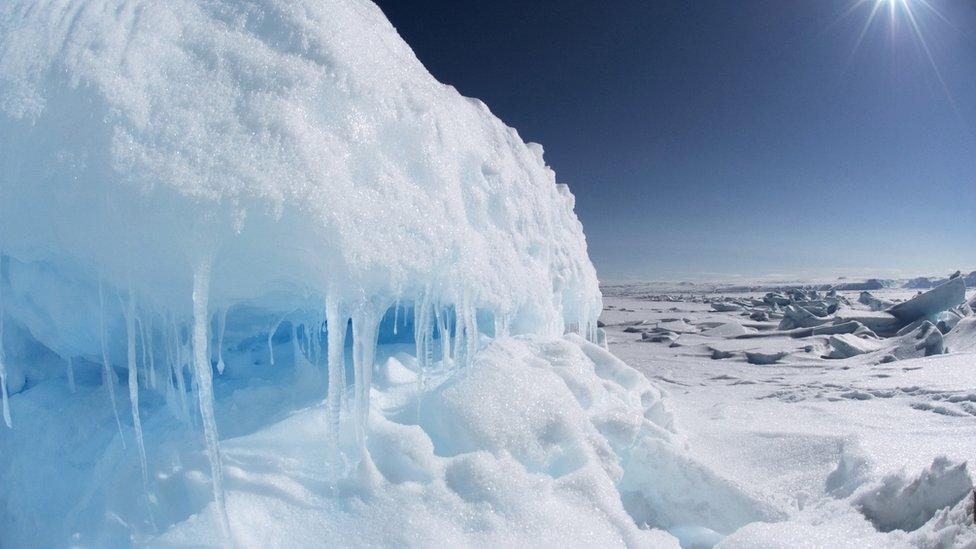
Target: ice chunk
[659,337]
[728,329]
[919,283]
[848,345]
[925,340]
[879,322]
[949,527]
[872,302]
[932,302]
[774,298]
[900,503]
[947,320]
[795,316]
[869,284]
[763,358]
[962,338]
[759,316]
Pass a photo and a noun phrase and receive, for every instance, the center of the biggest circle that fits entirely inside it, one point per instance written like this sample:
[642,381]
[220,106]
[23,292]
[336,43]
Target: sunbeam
[901,14]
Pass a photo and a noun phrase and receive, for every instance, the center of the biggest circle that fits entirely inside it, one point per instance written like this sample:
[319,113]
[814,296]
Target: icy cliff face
[293,150]
[178,179]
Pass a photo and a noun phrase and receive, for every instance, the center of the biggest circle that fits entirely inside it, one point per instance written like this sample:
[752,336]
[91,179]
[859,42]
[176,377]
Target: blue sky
[712,139]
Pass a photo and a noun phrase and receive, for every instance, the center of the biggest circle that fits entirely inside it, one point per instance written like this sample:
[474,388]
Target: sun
[899,15]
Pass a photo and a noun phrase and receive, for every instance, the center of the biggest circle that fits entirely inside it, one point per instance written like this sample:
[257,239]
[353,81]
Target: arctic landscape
[266,282]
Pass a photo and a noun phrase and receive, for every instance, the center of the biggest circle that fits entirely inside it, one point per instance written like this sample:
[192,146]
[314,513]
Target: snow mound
[901,503]
[949,527]
[542,465]
[931,509]
[962,337]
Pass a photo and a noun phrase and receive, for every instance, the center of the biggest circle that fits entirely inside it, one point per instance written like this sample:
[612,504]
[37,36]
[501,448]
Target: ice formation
[304,148]
[180,181]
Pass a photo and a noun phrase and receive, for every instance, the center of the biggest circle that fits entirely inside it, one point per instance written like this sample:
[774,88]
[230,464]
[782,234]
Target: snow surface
[854,452]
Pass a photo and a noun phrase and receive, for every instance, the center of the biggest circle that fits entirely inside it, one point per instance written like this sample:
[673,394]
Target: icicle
[71,375]
[458,335]
[152,354]
[303,367]
[108,374]
[501,325]
[142,339]
[170,352]
[314,342]
[305,341]
[221,327]
[365,326]
[337,323]
[471,331]
[178,372]
[396,315]
[422,329]
[129,311]
[296,349]
[301,340]
[271,332]
[3,389]
[204,378]
[445,337]
[3,360]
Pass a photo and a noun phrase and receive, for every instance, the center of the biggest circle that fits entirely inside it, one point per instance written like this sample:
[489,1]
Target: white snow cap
[300,144]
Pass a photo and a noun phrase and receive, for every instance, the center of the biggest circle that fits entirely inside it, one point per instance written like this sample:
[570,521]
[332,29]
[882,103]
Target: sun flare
[897,15]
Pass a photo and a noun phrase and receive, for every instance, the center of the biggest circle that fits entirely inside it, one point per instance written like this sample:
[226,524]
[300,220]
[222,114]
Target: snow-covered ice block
[879,322]
[962,338]
[932,302]
[925,340]
[848,345]
[764,358]
[727,329]
[795,316]
[872,302]
[659,337]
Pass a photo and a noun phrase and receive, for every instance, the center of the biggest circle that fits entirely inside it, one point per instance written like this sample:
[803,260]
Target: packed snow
[859,438]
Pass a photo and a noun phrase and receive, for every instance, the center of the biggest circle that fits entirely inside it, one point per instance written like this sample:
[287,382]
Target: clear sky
[708,139]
